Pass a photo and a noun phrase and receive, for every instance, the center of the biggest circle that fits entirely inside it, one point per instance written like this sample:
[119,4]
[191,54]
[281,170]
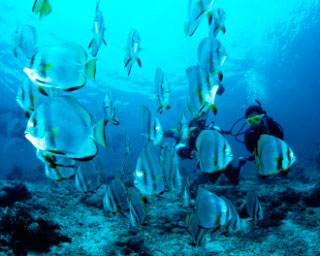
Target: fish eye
[30,123]
[139,173]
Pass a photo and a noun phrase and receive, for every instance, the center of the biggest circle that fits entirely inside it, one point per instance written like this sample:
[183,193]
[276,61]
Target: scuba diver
[259,123]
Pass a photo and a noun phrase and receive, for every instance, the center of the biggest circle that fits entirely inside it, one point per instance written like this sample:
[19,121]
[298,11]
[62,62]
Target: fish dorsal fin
[80,51]
[85,115]
[115,120]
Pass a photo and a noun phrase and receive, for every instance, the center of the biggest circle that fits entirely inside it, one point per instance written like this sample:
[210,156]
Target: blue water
[273,55]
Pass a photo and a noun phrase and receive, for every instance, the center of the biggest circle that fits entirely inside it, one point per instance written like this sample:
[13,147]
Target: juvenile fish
[88,176]
[133,49]
[212,55]
[254,208]
[218,24]
[115,198]
[98,33]
[148,175]
[26,40]
[163,90]
[110,110]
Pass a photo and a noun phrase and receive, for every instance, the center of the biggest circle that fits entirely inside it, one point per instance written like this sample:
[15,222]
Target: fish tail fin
[42,90]
[215,32]
[90,68]
[139,62]
[115,120]
[210,18]
[213,108]
[223,29]
[220,75]
[201,109]
[129,67]
[45,9]
[104,41]
[99,133]
[27,113]
[91,43]
[127,62]
[202,12]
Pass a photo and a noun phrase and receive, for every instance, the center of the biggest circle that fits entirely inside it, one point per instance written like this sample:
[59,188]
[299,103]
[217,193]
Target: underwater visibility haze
[186,127]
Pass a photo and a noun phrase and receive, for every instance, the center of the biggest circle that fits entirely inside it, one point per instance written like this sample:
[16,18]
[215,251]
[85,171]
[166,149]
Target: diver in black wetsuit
[259,123]
[256,117]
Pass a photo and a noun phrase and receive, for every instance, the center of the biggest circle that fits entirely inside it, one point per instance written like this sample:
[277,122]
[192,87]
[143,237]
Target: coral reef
[11,193]
[22,232]
[312,198]
[290,224]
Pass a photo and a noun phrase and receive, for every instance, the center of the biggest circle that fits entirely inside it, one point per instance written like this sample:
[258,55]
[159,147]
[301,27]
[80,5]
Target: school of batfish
[67,137]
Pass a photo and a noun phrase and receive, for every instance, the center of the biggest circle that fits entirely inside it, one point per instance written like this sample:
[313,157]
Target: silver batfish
[62,126]
[63,66]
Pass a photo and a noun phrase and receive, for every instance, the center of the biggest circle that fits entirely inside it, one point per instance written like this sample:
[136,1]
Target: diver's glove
[168,133]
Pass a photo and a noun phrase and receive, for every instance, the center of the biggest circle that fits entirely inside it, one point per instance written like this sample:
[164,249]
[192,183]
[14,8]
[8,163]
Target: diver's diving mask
[254,119]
